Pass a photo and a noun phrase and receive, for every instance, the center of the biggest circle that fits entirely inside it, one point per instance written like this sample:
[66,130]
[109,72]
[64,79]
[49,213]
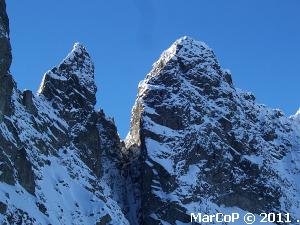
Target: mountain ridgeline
[196,144]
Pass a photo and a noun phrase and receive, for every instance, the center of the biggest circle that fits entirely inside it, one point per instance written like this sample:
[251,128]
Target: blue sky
[259,41]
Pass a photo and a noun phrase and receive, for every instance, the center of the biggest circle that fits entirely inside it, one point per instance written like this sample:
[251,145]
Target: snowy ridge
[79,63]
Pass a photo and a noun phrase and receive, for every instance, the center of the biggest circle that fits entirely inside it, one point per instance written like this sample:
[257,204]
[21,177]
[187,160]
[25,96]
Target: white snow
[254,159]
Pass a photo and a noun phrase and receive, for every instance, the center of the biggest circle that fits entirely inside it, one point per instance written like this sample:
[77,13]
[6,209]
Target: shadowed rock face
[5,54]
[6,81]
[204,145]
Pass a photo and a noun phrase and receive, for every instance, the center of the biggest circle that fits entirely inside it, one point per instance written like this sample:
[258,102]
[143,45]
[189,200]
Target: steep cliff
[6,81]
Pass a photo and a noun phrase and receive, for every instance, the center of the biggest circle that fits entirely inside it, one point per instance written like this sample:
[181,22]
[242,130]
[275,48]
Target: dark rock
[3,208]
[5,53]
[42,208]
[7,169]
[228,77]
[6,81]
[25,172]
[105,220]
[28,102]
[6,88]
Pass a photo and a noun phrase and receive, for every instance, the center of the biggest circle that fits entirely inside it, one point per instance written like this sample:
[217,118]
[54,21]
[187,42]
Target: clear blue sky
[258,40]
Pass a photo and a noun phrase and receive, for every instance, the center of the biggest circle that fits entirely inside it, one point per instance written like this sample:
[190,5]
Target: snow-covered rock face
[71,82]
[206,146]
[77,65]
[51,163]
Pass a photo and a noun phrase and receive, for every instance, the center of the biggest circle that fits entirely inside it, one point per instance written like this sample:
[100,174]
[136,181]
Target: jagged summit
[187,45]
[78,52]
[70,86]
[188,56]
[188,51]
[79,59]
[188,61]
[79,47]
[77,63]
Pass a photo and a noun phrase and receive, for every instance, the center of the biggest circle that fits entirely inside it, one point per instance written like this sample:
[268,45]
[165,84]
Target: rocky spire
[70,86]
[79,63]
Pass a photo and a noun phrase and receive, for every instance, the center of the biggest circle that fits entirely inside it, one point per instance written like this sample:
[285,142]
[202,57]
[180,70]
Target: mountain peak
[189,42]
[78,50]
[190,121]
[78,46]
[188,47]
[78,63]
[186,53]
[71,85]
[191,59]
